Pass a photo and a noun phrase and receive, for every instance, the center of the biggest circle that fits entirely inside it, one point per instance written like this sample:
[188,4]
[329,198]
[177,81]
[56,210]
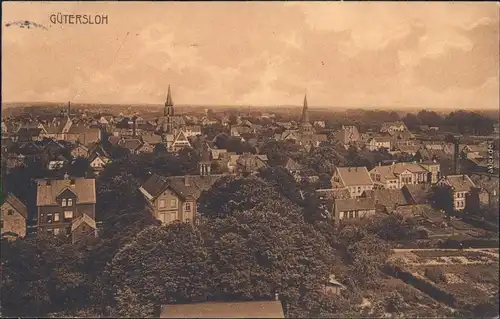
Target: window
[70,202]
[173,203]
[161,204]
[50,231]
[68,214]
[56,217]
[359,189]
[49,218]
[63,203]
[1,223]
[188,220]
[187,207]
[10,212]
[84,228]
[56,231]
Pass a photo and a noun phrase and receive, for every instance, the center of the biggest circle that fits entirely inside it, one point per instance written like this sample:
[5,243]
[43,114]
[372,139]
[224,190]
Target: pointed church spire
[169,101]
[305,113]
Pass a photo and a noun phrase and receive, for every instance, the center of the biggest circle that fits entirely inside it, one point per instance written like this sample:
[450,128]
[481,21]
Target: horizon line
[401,108]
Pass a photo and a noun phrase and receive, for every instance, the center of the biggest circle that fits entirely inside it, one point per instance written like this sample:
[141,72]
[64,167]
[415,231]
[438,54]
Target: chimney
[356,169]
[72,182]
[463,177]
[456,169]
[134,124]
[48,182]
[66,176]
[276,297]
[186,180]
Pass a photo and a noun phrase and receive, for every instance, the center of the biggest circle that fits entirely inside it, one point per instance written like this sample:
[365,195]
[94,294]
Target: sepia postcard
[250,159]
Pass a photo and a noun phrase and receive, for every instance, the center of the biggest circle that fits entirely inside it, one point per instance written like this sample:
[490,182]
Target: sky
[378,54]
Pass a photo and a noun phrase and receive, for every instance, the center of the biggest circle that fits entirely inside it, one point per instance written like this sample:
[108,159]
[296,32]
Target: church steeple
[305,113]
[305,127]
[169,104]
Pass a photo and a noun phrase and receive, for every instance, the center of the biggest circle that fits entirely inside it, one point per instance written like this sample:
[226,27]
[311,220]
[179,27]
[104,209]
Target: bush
[435,274]
[394,302]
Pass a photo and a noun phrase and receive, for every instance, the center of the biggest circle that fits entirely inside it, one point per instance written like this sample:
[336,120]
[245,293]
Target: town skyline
[415,55]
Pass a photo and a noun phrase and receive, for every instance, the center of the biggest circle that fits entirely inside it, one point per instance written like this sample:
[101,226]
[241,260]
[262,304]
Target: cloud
[253,53]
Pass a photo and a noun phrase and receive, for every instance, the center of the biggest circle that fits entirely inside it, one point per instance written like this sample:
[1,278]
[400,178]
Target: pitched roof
[83,219]
[489,183]
[352,176]
[189,186]
[241,309]
[292,165]
[334,193]
[361,203]
[17,205]
[151,138]
[459,183]
[390,198]
[131,143]
[83,188]
[392,171]
[416,193]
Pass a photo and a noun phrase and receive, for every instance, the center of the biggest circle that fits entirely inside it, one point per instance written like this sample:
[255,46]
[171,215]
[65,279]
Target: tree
[167,264]
[229,195]
[80,167]
[265,250]
[325,159]
[442,198]
[411,121]
[366,257]
[429,118]
[279,151]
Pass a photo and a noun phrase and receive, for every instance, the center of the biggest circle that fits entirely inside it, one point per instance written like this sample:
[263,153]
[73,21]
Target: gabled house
[215,151]
[145,148]
[83,134]
[131,144]
[461,186]
[379,142]
[489,185]
[175,198]
[348,134]
[13,218]
[392,127]
[98,162]
[80,151]
[62,202]
[354,208]
[356,179]
[83,227]
[293,167]
[176,142]
[398,174]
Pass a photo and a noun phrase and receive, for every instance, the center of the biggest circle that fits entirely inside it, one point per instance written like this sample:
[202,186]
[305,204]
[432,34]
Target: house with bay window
[61,203]
[175,197]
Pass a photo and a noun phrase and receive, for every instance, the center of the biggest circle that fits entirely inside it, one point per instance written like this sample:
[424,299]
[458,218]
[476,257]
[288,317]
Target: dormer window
[63,203]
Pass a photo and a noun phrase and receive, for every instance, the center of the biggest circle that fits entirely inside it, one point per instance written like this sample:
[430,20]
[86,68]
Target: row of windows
[351,214]
[67,202]
[460,204]
[55,217]
[173,204]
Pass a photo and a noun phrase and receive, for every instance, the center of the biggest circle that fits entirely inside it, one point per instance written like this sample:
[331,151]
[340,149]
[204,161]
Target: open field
[470,276]
[445,256]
